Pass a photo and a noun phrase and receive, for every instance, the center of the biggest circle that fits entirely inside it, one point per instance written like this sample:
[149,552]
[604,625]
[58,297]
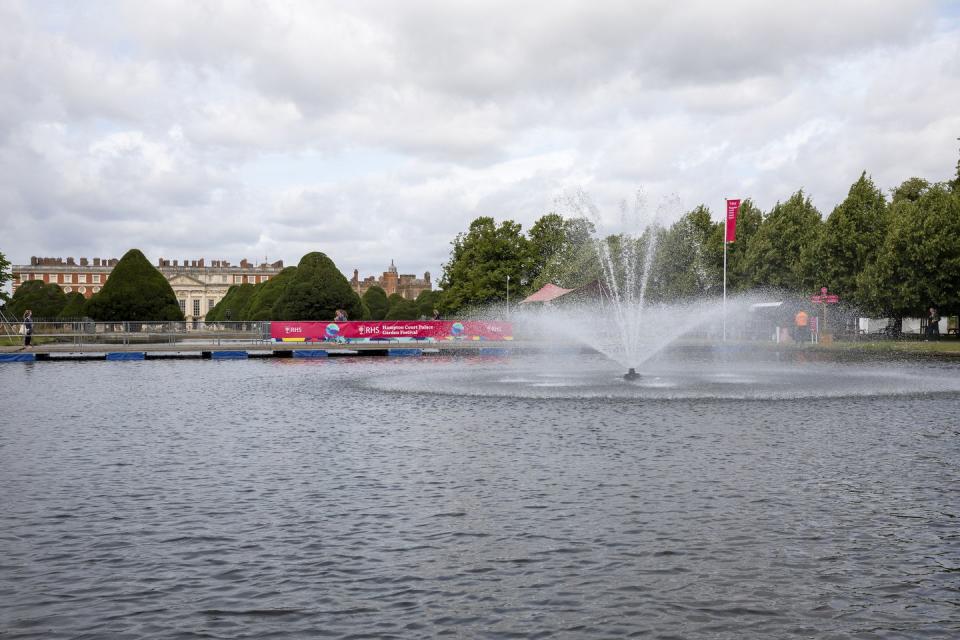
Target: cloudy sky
[378,130]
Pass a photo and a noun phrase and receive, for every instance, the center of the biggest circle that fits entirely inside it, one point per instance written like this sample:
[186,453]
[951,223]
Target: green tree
[75,306]
[911,189]
[4,277]
[782,253]
[375,298]
[264,297]
[576,262]
[480,262]
[852,236]
[401,308]
[44,300]
[316,291]
[134,291]
[685,264]
[919,262]
[548,236]
[427,301]
[233,306]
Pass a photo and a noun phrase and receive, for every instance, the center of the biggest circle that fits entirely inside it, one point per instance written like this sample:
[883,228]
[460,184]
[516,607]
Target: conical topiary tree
[376,300]
[316,291]
[43,299]
[135,291]
[76,306]
[401,308]
[233,306]
[266,294]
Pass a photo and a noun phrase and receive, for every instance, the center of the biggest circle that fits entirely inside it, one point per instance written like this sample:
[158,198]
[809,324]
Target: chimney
[70,261]
[200,262]
[84,262]
[96,262]
[244,264]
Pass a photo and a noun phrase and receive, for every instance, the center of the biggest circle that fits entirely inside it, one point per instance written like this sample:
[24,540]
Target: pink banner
[434,330]
[733,208]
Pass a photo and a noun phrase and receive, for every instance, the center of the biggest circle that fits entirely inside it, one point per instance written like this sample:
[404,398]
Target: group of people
[341,315]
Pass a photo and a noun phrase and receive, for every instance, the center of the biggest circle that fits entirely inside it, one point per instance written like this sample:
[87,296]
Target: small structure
[546,294]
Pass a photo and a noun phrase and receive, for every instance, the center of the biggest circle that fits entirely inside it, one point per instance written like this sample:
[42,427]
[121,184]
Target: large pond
[717,497]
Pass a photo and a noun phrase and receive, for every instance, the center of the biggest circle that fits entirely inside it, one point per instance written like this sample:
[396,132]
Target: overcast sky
[378,130]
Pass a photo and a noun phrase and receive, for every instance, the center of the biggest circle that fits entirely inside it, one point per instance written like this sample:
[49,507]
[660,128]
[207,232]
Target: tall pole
[508,295]
[726,219]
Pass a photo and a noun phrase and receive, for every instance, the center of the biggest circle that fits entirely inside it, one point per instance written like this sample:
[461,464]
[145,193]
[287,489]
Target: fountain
[622,323]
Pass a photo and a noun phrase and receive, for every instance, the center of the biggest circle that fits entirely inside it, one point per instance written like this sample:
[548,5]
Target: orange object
[801,318]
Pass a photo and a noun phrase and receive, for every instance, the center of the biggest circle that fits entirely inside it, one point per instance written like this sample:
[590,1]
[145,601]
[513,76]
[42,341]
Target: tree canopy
[43,299]
[316,291]
[75,306]
[233,306]
[263,298]
[5,276]
[401,308]
[782,253]
[852,235]
[919,262]
[135,291]
[481,261]
[375,299]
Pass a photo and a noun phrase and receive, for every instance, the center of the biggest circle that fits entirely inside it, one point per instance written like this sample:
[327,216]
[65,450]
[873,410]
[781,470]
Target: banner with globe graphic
[392,331]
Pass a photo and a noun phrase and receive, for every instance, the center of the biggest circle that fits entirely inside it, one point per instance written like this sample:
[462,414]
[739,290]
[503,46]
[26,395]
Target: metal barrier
[81,332]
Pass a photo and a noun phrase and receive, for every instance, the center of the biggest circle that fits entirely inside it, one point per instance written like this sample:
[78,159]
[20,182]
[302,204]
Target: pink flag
[733,207]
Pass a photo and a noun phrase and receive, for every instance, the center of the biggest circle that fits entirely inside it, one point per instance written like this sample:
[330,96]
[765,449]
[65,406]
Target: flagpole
[726,221]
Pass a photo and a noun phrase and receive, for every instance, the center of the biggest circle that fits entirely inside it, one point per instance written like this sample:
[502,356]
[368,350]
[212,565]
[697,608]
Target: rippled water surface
[479,498]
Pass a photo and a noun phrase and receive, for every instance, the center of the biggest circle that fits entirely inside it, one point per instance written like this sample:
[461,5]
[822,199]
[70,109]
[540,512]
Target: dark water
[374,498]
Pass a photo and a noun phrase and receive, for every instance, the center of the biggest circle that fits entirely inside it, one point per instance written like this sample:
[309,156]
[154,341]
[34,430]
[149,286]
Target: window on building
[210,304]
[183,306]
[223,279]
[82,277]
[96,278]
[196,308]
[237,279]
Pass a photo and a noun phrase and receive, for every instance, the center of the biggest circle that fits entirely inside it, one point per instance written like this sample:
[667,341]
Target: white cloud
[378,130]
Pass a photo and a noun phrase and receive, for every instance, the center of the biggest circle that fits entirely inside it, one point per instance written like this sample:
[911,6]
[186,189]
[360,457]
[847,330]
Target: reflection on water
[479,498]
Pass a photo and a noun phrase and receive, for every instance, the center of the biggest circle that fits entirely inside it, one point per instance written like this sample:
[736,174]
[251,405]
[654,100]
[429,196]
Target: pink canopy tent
[547,293]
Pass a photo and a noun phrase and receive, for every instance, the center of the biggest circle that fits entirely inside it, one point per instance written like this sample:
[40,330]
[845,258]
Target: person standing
[933,324]
[27,328]
[340,316]
[802,321]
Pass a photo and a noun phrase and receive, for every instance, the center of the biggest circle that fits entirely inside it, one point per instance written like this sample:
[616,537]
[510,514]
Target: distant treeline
[136,291]
[887,256]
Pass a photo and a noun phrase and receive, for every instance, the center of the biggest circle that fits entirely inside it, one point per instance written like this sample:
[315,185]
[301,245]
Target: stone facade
[406,284]
[198,286]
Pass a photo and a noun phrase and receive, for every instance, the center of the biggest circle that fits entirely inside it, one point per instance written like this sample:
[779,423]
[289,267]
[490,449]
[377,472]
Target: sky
[377,131]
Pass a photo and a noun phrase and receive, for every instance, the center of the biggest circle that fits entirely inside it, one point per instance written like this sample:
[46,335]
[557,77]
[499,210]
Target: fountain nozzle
[631,375]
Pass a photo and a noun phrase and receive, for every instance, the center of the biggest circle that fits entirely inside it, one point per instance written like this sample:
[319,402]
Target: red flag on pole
[733,207]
